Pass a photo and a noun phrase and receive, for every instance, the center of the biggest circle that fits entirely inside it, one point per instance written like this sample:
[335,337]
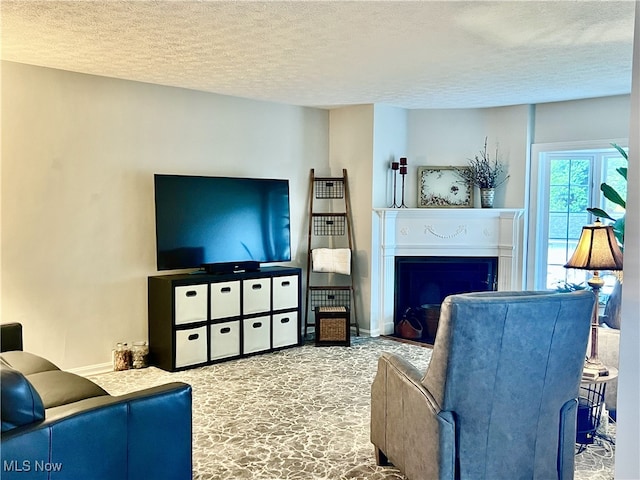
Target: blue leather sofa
[58,425]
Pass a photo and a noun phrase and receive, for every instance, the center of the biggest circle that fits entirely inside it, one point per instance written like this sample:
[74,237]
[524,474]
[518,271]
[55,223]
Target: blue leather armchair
[499,398]
[57,425]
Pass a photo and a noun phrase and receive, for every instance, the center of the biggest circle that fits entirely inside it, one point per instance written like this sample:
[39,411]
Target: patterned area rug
[299,414]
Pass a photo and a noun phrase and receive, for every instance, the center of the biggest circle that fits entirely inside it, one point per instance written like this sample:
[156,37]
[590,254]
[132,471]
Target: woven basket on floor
[332,326]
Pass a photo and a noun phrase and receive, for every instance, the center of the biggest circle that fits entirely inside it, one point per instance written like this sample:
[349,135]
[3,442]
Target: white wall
[351,147]
[390,143]
[582,120]
[628,427]
[78,157]
[451,137]
[364,139]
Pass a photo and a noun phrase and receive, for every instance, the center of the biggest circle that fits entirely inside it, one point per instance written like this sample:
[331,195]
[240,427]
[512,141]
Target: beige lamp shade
[597,249]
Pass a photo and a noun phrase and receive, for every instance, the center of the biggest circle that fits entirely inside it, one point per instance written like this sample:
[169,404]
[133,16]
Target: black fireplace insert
[422,283]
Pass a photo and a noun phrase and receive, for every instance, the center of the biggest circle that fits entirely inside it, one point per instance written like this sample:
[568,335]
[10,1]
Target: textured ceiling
[420,54]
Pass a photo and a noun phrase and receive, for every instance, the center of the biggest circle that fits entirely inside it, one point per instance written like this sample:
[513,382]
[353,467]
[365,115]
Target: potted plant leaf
[486,173]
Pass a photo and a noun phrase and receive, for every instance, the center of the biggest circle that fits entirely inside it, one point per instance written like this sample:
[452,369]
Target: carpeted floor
[299,414]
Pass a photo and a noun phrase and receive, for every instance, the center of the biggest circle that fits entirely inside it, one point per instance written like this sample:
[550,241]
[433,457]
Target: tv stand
[231,267]
[197,320]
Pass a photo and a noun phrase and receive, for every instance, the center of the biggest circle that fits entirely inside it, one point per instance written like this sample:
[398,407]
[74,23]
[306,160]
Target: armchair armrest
[402,367]
[407,424]
[145,434]
[10,337]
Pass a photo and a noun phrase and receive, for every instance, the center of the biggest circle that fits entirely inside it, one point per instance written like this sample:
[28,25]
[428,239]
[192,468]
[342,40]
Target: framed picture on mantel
[443,187]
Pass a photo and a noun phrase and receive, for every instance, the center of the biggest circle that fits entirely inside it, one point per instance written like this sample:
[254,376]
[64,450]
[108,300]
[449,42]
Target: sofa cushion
[20,403]
[27,363]
[57,387]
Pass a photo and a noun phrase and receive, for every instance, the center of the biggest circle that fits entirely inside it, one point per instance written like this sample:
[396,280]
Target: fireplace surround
[441,235]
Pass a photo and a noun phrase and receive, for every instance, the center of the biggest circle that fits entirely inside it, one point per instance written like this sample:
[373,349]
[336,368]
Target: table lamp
[597,250]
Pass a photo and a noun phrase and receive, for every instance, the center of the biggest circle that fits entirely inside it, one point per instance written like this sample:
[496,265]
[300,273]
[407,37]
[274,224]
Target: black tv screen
[202,221]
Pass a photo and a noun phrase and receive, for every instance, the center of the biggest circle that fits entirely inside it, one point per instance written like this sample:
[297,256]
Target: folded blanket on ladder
[332,260]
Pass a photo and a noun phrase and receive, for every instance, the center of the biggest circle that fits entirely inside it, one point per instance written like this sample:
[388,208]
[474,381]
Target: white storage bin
[285,329]
[257,334]
[190,303]
[225,299]
[191,346]
[225,340]
[256,295]
[285,292]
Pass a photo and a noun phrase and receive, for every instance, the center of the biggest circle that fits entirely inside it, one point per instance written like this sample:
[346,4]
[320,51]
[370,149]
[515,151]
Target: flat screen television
[214,223]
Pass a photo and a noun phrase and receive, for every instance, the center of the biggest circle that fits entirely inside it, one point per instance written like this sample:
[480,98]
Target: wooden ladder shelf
[330,227]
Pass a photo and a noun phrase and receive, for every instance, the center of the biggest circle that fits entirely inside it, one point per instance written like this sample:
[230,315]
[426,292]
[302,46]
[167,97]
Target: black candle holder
[403,173]
[394,169]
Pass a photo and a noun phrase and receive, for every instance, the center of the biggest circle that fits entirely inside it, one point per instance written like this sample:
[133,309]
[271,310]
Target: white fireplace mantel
[441,232]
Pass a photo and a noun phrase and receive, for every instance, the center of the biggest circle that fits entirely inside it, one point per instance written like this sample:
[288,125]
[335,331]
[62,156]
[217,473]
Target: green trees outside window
[573,186]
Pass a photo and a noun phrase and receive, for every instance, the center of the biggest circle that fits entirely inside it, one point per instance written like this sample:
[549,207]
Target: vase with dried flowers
[486,173]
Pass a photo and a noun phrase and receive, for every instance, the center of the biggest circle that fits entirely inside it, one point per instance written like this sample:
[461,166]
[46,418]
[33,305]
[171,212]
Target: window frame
[538,224]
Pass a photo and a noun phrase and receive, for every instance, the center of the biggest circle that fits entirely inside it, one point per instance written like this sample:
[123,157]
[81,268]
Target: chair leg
[381,458]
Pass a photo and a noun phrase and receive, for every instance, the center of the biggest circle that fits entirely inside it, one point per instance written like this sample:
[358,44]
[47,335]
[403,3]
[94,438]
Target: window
[568,182]
[569,195]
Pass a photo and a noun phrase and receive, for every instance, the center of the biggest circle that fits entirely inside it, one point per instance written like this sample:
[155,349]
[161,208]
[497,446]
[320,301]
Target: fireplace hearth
[422,283]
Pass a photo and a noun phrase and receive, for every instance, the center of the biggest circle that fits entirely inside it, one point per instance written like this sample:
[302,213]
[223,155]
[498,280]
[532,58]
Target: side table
[590,403]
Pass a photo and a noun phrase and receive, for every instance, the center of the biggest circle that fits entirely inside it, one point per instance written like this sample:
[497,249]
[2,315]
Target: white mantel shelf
[441,232]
